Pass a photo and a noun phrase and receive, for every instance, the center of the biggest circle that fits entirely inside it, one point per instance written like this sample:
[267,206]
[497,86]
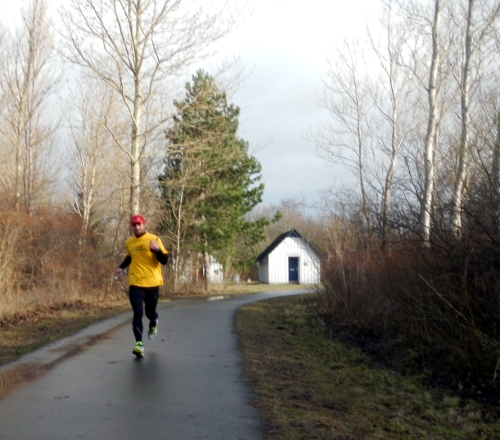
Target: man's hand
[154,246]
[118,273]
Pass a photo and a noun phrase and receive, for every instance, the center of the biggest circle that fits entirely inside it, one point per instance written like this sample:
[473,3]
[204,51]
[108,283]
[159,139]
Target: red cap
[137,219]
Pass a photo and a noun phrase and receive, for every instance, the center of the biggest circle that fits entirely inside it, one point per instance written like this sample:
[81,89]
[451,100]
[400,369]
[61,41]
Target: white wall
[264,271]
[215,271]
[277,262]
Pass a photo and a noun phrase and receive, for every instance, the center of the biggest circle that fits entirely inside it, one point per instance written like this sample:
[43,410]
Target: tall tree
[346,140]
[389,99]
[478,21]
[28,83]
[432,125]
[210,181]
[97,173]
[134,46]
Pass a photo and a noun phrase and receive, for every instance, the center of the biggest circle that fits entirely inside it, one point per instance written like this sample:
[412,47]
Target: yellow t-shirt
[145,269]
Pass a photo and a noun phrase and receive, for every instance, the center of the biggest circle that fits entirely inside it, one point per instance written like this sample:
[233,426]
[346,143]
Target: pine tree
[210,181]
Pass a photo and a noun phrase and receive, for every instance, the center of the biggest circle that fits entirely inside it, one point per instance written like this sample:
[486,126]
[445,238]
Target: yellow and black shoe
[153,331]
[138,349]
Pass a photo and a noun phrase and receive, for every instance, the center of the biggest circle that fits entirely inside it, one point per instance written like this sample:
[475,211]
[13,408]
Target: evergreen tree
[210,182]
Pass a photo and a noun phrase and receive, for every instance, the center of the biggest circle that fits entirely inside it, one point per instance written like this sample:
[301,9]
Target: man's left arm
[157,248]
[160,256]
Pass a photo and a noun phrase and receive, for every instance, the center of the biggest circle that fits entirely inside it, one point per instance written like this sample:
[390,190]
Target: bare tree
[494,117]
[27,85]
[96,168]
[476,31]
[495,180]
[432,125]
[91,157]
[389,100]
[135,46]
[345,140]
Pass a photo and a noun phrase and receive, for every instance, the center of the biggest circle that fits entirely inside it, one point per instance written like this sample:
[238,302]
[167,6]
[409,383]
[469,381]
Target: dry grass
[254,287]
[22,333]
[311,386]
[238,289]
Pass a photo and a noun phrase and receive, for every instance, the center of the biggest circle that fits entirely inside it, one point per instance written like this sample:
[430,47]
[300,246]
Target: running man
[145,253]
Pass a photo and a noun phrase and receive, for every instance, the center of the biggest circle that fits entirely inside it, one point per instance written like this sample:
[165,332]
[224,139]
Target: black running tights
[143,299]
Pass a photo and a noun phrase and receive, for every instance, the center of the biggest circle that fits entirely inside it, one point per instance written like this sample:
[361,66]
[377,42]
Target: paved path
[188,386]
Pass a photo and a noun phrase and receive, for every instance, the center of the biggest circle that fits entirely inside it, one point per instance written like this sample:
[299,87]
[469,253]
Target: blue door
[293,269]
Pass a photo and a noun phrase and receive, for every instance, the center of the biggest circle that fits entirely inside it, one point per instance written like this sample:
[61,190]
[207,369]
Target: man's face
[139,229]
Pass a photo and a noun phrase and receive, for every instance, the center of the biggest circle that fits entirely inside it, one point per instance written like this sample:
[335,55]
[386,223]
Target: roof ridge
[293,233]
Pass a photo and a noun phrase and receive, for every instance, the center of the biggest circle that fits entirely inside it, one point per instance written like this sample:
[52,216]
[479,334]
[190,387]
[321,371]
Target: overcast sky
[286,43]
[283,46]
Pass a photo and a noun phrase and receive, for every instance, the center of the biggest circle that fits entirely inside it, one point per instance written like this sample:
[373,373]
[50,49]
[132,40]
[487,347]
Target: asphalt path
[189,385]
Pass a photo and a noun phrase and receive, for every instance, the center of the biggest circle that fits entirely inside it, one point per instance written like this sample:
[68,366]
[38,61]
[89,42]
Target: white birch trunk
[136,153]
[495,181]
[391,71]
[462,156]
[432,123]
[386,194]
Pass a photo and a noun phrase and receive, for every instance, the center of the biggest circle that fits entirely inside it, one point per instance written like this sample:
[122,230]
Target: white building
[289,259]
[215,271]
[192,267]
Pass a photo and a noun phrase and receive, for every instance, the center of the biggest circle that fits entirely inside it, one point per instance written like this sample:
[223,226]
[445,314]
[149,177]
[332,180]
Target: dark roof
[292,233]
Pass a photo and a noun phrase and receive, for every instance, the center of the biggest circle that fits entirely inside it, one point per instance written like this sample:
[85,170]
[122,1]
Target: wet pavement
[190,384]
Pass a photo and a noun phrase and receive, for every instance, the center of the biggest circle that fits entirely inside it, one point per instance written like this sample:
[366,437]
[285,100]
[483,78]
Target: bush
[439,308]
[45,260]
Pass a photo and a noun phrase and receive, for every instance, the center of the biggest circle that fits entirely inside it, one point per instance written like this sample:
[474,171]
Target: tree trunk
[432,123]
[461,173]
[135,161]
[178,238]
[495,181]
[206,266]
[388,182]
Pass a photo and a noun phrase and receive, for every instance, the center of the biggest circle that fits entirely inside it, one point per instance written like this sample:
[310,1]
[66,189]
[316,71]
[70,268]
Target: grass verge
[23,333]
[311,386]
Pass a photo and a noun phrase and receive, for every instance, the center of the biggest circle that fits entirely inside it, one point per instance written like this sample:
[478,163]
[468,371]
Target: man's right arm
[121,267]
[126,262]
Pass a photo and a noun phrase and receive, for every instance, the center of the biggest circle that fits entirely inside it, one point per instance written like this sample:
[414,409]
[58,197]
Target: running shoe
[138,349]
[153,331]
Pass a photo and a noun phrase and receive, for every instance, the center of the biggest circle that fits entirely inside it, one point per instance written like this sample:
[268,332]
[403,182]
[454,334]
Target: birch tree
[95,167]
[28,84]
[93,176]
[495,181]
[135,47]
[389,104]
[432,125]
[345,140]
[478,22]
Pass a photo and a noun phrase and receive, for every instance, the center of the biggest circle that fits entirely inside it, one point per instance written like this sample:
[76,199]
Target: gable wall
[277,264]
[264,271]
